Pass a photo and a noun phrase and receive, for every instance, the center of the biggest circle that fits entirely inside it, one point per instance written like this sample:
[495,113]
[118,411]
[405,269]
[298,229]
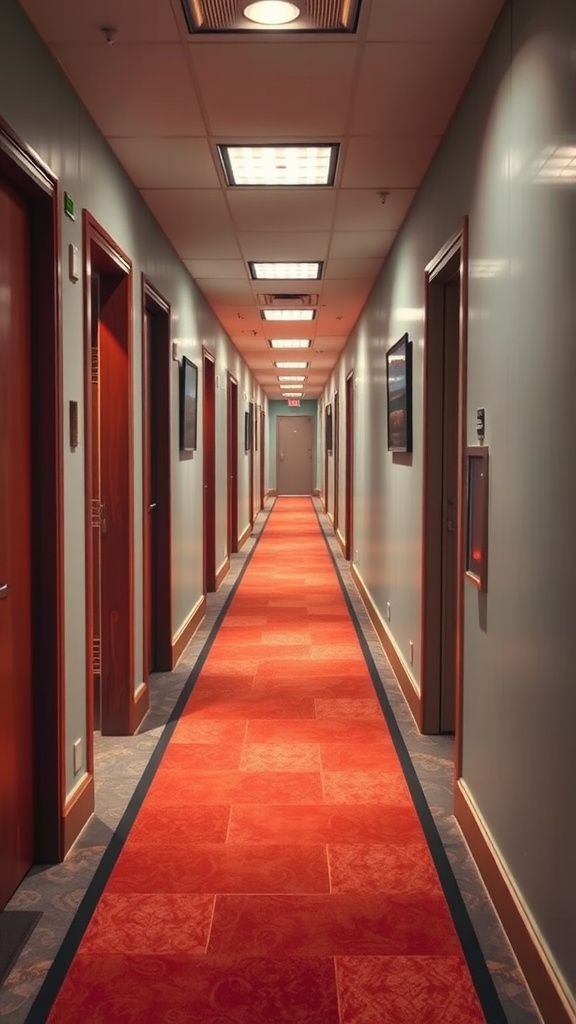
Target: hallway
[56,891]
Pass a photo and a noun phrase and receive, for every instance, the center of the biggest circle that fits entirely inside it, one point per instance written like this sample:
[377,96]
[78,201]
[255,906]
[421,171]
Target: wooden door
[16,638]
[150,502]
[251,464]
[349,504]
[109,479]
[209,470]
[443,525]
[232,465]
[294,454]
[336,456]
[449,486]
[156,494]
[262,457]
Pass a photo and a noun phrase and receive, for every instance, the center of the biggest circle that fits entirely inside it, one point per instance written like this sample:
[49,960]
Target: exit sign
[293,401]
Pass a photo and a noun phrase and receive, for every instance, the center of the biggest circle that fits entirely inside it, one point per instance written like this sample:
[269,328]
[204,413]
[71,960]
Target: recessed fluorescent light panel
[289,386]
[292,365]
[290,342]
[291,379]
[287,314]
[291,165]
[292,394]
[285,271]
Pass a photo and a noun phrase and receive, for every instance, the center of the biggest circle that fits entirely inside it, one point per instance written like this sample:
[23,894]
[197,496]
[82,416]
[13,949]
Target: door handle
[450,526]
[4,588]
[281,456]
[153,505]
[103,523]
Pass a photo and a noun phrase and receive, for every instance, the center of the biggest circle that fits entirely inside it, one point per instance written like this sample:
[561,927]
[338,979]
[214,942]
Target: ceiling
[164,99]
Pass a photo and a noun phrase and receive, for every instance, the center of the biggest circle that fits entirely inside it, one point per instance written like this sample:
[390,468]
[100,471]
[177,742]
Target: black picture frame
[188,405]
[476,551]
[247,432]
[328,428]
[399,395]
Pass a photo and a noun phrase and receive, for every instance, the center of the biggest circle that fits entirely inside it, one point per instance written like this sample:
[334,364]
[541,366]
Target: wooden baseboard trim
[244,537]
[404,678]
[272,493]
[549,994]
[222,572]
[341,541]
[78,808]
[184,635]
[140,706]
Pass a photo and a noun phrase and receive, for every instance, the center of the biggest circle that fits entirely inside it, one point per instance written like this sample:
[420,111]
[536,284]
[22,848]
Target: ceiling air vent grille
[289,301]
[227,16]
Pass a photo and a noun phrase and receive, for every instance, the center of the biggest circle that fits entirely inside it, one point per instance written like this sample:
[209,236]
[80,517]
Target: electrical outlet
[411,653]
[388,610]
[77,756]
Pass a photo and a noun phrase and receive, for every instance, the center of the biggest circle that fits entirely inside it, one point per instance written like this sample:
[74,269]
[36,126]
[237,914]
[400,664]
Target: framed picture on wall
[399,395]
[188,405]
[476,563]
[328,425]
[247,432]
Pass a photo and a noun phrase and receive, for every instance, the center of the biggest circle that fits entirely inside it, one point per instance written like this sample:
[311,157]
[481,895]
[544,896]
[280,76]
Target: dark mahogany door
[16,730]
[209,469]
[232,465]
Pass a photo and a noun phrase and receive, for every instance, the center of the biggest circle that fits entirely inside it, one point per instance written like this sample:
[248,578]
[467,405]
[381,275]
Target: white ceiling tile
[276,90]
[390,70]
[365,209]
[221,290]
[167,162]
[387,162]
[197,221]
[420,20]
[212,269]
[350,244]
[70,21]
[361,267]
[134,90]
[278,209]
[287,245]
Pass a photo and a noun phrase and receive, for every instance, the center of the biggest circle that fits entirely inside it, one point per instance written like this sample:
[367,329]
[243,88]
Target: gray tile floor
[57,890]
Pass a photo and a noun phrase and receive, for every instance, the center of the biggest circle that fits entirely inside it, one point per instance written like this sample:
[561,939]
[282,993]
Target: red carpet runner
[277,870]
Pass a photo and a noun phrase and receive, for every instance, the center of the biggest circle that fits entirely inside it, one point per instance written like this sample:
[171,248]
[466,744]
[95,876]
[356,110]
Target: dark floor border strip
[479,972]
[60,966]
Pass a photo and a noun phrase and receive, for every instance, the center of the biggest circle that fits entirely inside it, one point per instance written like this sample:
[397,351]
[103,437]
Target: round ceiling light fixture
[272,12]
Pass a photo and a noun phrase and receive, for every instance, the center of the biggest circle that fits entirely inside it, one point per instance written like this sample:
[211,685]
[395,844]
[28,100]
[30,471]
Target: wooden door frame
[209,469]
[122,709]
[55,819]
[349,507]
[336,456]
[232,462]
[325,445]
[251,414]
[159,309]
[262,457]
[452,258]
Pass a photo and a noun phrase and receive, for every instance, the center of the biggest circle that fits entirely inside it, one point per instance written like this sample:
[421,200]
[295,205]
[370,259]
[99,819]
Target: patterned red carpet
[277,870]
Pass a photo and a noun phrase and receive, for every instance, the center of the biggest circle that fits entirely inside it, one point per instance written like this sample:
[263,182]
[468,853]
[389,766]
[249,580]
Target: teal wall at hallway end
[307,407]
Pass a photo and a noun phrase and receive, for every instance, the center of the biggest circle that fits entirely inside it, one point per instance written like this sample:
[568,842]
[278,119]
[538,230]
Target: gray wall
[519,690]
[38,104]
